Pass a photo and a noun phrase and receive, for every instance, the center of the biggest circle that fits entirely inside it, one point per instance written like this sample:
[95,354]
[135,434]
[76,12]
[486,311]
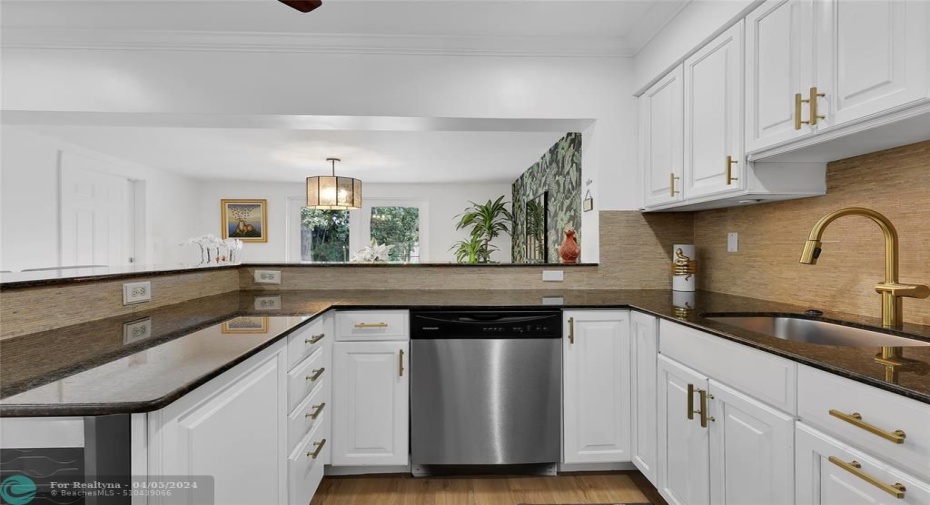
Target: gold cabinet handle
[319,449]
[855,419]
[316,413]
[401,362]
[704,397]
[363,326]
[813,106]
[730,163]
[316,374]
[690,401]
[571,330]
[854,467]
[797,111]
[671,183]
[314,339]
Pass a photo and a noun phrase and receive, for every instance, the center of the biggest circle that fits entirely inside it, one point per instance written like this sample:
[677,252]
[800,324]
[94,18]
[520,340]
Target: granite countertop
[100,368]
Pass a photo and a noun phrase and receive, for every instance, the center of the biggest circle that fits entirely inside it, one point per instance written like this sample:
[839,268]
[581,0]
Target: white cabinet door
[596,357]
[643,354]
[232,428]
[779,56]
[713,79]
[371,399]
[751,450]
[661,134]
[825,475]
[872,56]
[684,473]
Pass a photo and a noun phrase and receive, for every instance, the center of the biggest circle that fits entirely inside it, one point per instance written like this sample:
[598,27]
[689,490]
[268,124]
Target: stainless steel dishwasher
[485,389]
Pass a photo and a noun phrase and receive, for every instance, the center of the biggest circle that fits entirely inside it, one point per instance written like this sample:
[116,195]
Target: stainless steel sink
[816,332]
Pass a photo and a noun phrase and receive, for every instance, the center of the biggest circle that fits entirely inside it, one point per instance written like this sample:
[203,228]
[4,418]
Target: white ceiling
[478,152]
[272,155]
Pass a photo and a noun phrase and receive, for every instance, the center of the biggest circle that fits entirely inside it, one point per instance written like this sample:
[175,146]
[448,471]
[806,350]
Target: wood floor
[614,487]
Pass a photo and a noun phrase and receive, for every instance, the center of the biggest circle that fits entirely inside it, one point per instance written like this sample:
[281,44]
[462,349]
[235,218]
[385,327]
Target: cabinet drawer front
[308,339]
[363,325]
[759,374]
[824,474]
[304,378]
[308,415]
[820,392]
[304,472]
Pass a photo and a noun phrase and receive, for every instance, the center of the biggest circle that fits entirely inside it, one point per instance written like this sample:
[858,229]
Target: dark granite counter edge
[59,281]
[140,407]
[84,279]
[99,409]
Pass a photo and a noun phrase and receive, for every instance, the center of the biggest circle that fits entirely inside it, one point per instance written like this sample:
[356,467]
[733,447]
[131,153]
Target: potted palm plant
[486,222]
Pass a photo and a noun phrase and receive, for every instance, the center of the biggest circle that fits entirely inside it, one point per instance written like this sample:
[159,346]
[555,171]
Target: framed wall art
[246,220]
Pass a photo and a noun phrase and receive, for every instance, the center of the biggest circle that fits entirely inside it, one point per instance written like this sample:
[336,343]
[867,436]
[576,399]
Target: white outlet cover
[553,275]
[732,242]
[135,331]
[267,303]
[137,292]
[268,277]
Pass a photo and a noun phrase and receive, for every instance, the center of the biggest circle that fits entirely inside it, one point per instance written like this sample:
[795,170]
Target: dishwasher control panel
[447,324]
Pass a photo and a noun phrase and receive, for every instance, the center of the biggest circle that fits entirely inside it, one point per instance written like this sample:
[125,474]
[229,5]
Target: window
[399,227]
[320,236]
[324,235]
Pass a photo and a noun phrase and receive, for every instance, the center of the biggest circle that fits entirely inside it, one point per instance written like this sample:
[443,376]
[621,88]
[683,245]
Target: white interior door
[96,215]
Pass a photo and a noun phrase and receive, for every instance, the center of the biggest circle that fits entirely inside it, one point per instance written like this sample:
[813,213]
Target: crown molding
[164,40]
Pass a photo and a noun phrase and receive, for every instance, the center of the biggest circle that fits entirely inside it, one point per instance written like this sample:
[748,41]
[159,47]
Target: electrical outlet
[732,242]
[267,303]
[137,292]
[267,277]
[553,275]
[137,330]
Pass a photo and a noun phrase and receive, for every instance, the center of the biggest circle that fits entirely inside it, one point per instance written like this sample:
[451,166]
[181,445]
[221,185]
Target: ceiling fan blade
[302,5]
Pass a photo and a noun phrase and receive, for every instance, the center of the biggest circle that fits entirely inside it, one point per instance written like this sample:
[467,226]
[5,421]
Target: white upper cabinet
[779,65]
[815,65]
[872,56]
[661,139]
[713,146]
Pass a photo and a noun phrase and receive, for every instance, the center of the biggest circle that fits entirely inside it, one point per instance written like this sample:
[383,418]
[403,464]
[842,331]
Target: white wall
[444,203]
[430,86]
[697,23]
[30,213]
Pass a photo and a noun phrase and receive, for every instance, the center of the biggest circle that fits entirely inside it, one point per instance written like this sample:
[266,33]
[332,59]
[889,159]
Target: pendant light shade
[328,192]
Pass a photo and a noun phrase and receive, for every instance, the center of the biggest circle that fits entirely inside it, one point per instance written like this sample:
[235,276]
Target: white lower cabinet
[233,429]
[371,398]
[644,348]
[596,382]
[717,445]
[830,472]
[684,447]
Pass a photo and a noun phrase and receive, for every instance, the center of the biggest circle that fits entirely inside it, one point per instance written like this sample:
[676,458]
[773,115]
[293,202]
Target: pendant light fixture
[328,192]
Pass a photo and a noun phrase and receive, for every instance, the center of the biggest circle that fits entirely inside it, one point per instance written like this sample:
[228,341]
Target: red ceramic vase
[569,249]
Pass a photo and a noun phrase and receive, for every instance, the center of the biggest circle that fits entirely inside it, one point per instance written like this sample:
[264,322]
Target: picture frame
[246,324]
[246,220]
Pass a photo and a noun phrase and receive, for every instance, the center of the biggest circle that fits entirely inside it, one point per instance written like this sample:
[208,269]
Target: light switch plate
[137,292]
[732,242]
[267,277]
[553,276]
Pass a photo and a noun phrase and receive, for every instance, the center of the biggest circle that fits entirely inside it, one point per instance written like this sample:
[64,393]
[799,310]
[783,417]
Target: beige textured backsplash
[44,308]
[895,183]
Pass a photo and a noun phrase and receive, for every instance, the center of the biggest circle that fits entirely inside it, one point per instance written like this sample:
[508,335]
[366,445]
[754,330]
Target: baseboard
[595,467]
[338,471]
